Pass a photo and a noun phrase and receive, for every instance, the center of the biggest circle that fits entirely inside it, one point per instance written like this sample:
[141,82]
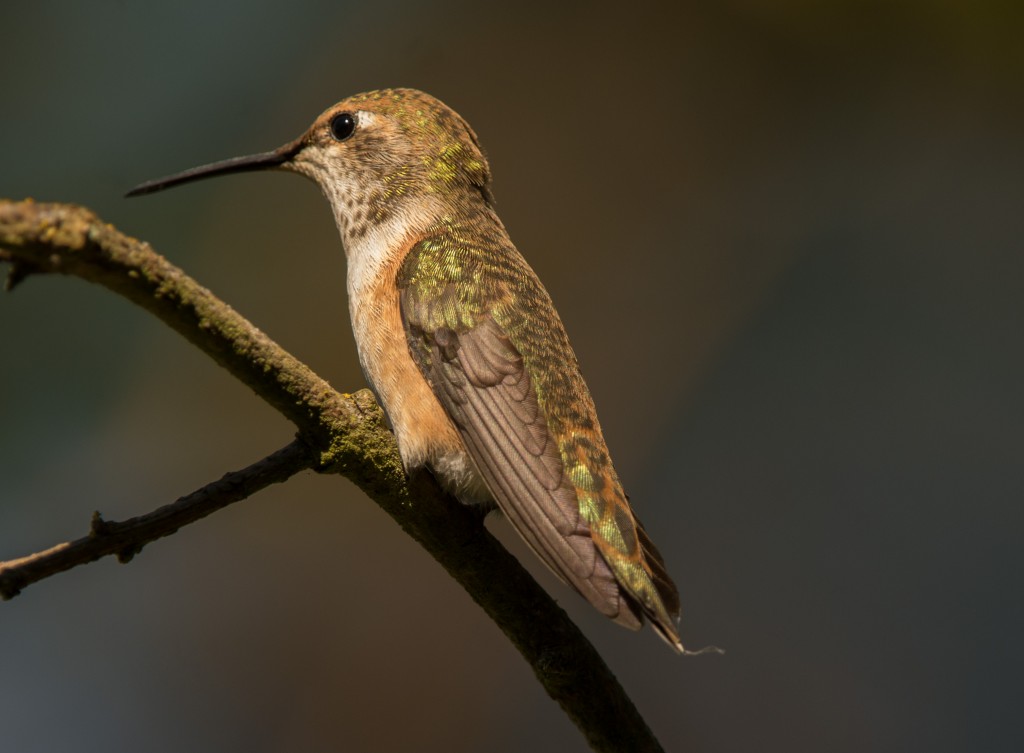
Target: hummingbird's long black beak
[252,162]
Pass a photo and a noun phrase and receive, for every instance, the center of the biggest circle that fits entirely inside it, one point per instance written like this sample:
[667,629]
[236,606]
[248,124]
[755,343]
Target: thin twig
[126,538]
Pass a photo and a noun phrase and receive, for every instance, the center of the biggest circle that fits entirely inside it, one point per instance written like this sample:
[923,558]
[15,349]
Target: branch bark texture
[337,433]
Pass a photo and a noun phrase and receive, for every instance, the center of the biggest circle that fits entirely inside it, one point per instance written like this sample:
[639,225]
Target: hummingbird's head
[374,155]
[390,151]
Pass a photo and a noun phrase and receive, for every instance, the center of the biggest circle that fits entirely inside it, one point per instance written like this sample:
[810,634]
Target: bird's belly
[425,433]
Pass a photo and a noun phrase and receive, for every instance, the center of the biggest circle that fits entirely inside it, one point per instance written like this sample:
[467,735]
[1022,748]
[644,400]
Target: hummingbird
[462,346]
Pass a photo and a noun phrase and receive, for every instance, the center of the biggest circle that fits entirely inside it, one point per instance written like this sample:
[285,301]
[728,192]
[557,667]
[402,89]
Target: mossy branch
[337,433]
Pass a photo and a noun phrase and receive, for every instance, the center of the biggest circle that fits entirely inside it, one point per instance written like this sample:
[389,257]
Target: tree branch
[126,538]
[345,434]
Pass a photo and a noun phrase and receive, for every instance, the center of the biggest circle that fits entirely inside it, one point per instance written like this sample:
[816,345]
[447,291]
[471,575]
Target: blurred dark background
[786,240]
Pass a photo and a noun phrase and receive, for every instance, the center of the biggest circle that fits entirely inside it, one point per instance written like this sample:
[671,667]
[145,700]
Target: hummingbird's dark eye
[342,126]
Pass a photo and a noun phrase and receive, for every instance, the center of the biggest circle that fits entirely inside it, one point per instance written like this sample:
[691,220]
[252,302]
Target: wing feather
[480,379]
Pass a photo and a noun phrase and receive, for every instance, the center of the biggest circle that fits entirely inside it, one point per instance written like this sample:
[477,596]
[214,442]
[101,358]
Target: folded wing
[479,378]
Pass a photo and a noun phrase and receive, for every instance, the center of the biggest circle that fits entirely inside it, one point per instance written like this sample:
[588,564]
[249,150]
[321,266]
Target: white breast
[425,434]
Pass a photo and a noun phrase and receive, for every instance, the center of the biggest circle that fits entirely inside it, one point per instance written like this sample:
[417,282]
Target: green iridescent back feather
[466,270]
